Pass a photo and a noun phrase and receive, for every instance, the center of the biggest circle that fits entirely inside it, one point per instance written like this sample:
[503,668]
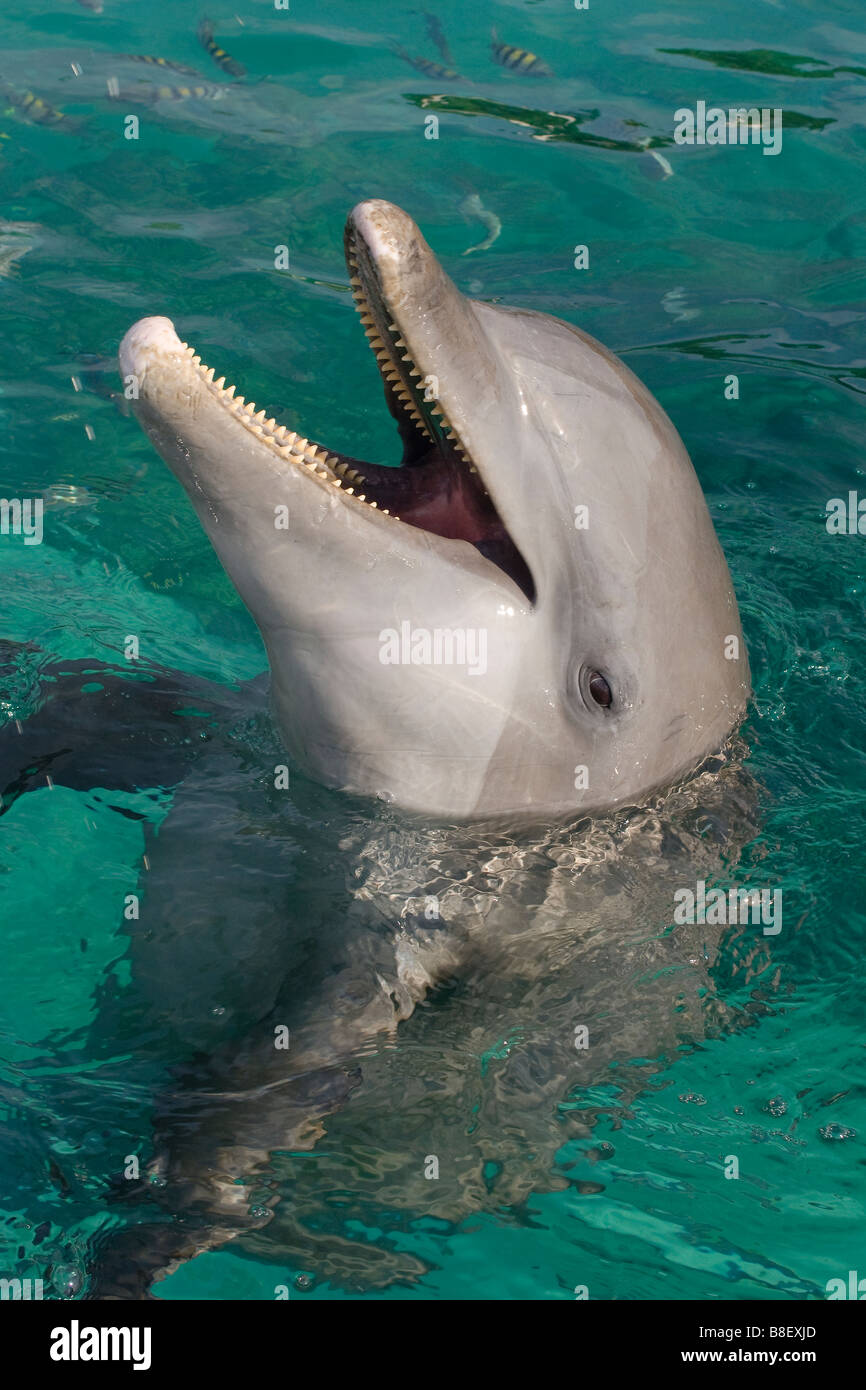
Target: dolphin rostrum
[532,617]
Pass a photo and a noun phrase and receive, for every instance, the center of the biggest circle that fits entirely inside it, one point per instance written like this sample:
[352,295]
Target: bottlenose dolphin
[531,617]
[547,524]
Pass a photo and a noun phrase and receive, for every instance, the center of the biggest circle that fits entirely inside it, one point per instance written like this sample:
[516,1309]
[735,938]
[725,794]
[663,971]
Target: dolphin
[530,617]
[527,621]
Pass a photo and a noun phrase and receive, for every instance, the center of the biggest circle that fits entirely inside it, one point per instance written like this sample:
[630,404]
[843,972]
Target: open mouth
[438,487]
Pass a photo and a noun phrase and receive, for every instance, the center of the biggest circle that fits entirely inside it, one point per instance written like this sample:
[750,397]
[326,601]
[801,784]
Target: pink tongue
[455,511]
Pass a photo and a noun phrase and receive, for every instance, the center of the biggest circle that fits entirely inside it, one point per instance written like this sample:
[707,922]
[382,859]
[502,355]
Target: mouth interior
[437,487]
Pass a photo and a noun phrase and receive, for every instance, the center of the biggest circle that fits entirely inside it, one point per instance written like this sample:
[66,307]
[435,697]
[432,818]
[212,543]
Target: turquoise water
[737,263]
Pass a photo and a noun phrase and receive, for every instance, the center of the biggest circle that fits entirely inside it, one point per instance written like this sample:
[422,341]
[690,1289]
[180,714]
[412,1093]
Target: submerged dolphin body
[542,623]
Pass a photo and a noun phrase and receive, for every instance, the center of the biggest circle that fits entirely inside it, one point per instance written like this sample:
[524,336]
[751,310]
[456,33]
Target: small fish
[203,92]
[426,65]
[94,5]
[519,59]
[219,55]
[434,29]
[473,207]
[34,109]
[160,62]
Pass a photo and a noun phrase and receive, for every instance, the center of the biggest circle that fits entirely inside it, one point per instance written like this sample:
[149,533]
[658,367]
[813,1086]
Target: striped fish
[34,109]
[519,59]
[202,91]
[219,55]
[159,62]
[426,65]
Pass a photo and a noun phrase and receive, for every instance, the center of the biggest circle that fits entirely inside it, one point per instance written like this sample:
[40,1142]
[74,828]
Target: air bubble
[776,1107]
[835,1132]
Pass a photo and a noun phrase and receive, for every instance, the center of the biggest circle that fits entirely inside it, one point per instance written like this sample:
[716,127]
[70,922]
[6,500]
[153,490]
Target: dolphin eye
[599,689]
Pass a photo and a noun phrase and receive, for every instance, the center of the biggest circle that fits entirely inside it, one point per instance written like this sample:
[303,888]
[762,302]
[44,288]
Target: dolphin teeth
[312,451]
[220,384]
[230,391]
[362,497]
[322,473]
[301,445]
[260,415]
[196,361]
[341,468]
[250,408]
[372,504]
[350,491]
[209,374]
[398,342]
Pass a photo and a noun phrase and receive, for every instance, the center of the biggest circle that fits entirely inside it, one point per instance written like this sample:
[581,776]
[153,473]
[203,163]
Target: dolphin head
[530,616]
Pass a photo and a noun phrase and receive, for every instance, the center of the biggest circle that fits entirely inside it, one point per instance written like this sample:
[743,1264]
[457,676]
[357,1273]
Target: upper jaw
[443,378]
